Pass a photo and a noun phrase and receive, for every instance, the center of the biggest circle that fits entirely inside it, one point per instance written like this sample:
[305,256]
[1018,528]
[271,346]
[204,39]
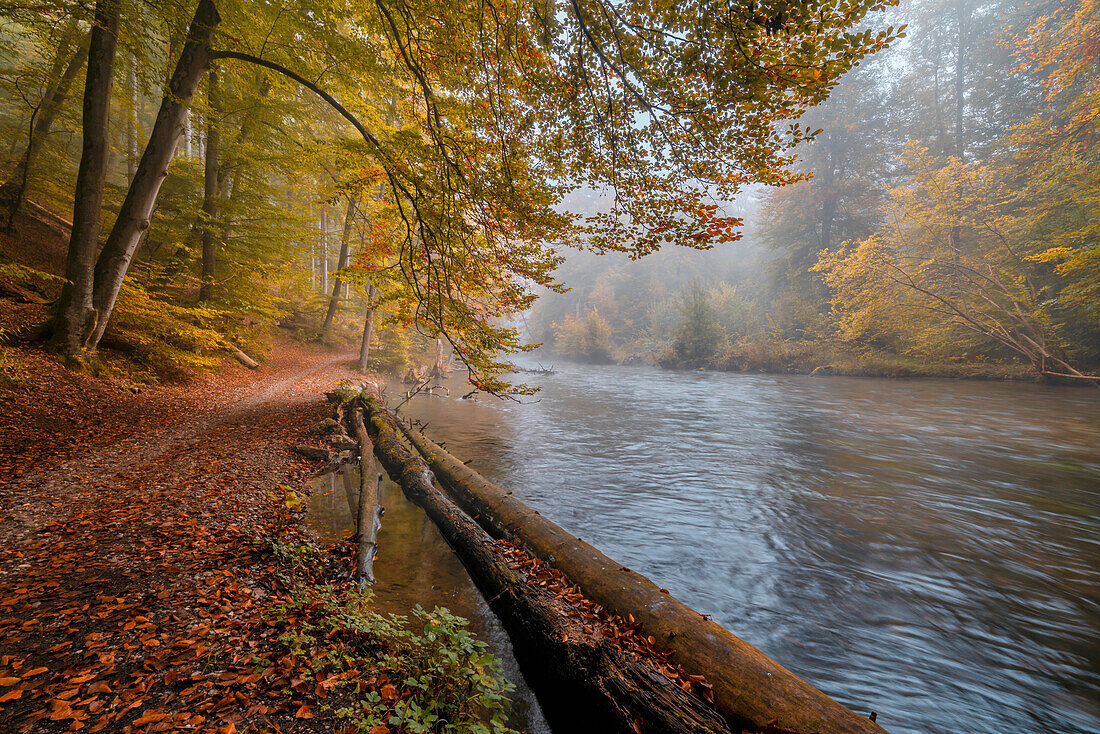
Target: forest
[244,244]
[248,163]
[945,223]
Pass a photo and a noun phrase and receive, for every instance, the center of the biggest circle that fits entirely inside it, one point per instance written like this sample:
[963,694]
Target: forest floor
[135,594]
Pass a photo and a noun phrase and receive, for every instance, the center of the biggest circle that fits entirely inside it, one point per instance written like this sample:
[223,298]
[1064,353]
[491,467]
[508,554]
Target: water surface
[927,549]
[416,566]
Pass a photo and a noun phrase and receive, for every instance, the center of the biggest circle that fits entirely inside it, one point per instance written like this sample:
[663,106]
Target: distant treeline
[949,227]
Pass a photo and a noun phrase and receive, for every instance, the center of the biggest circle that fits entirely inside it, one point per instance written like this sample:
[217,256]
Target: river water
[926,549]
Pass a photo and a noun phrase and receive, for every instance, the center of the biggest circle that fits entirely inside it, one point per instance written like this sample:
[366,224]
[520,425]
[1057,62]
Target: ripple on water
[928,549]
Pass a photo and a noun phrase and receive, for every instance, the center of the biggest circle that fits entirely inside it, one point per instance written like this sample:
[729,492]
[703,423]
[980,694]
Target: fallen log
[313,453]
[14,291]
[369,516]
[587,683]
[750,689]
[242,357]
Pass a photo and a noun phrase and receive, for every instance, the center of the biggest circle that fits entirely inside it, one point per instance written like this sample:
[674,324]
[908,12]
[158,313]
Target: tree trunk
[368,331]
[585,681]
[368,517]
[963,11]
[137,208]
[186,133]
[132,122]
[324,249]
[210,191]
[15,188]
[749,688]
[338,285]
[227,186]
[439,369]
[76,315]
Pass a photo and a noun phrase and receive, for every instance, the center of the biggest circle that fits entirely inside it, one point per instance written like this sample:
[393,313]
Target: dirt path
[130,585]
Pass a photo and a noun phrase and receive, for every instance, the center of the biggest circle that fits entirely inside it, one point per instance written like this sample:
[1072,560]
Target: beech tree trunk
[587,684]
[137,207]
[338,286]
[324,249]
[60,81]
[368,331]
[750,689]
[132,122]
[228,186]
[210,191]
[76,314]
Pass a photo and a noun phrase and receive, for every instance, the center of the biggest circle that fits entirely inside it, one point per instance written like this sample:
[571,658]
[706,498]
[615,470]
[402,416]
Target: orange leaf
[11,695]
[304,712]
[9,681]
[148,717]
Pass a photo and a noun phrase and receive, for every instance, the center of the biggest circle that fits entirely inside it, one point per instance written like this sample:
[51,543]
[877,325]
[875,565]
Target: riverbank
[806,358]
[155,570]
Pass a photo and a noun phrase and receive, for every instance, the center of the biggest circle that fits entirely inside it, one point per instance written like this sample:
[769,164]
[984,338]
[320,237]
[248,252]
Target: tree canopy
[477,119]
[944,218]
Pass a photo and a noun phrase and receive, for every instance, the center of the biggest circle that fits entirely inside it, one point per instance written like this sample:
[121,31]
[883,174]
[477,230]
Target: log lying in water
[368,518]
[750,689]
[594,686]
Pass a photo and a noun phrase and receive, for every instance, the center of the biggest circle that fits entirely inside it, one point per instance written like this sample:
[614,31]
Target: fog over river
[927,549]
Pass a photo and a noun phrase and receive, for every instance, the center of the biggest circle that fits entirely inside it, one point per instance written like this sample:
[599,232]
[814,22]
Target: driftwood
[587,684]
[369,516]
[1067,376]
[540,371]
[750,689]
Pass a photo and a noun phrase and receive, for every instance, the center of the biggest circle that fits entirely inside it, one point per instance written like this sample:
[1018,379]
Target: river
[925,549]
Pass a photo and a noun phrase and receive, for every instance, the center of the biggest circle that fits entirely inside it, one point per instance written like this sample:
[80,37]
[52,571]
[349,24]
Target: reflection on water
[927,549]
[416,566]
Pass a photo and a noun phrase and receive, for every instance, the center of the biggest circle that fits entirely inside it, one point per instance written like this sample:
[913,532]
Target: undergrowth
[428,676]
[11,365]
[165,341]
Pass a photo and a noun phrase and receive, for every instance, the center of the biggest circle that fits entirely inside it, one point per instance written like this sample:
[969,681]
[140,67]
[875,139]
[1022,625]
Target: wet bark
[368,517]
[750,689]
[137,207]
[76,315]
[586,684]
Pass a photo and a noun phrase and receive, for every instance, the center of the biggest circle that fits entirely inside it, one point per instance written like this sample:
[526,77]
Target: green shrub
[456,684]
[586,340]
[697,332]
